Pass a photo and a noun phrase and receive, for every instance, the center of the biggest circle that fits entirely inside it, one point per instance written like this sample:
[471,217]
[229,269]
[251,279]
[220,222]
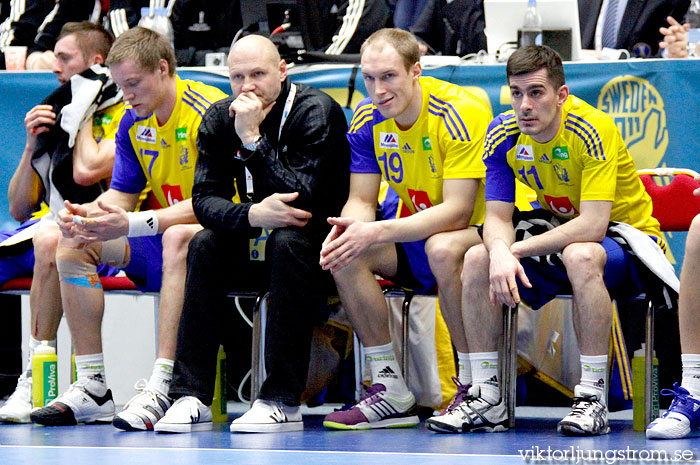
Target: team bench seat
[116,285]
[109,283]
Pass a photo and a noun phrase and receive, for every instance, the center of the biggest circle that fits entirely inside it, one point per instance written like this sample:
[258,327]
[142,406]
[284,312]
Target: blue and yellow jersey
[163,156]
[105,123]
[586,160]
[446,142]
[104,127]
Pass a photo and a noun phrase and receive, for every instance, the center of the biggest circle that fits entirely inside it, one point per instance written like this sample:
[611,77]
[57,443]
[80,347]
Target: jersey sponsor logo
[433,169]
[560,153]
[181,134]
[561,172]
[146,134]
[173,194]
[184,156]
[561,206]
[524,153]
[98,133]
[388,140]
[99,120]
[545,159]
[427,145]
[420,200]
[407,148]
[164,144]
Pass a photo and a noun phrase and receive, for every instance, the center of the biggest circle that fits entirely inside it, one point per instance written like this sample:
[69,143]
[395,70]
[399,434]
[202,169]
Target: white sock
[33,344]
[161,376]
[594,374]
[691,373]
[92,367]
[464,372]
[485,375]
[384,369]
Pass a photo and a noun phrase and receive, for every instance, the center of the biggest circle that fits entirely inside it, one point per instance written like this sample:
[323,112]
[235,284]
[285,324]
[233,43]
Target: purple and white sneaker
[376,409]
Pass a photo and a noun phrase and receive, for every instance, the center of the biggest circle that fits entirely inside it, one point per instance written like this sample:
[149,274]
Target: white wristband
[143,223]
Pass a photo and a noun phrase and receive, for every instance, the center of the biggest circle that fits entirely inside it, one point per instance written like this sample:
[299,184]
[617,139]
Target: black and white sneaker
[588,417]
[143,410]
[469,413]
[76,405]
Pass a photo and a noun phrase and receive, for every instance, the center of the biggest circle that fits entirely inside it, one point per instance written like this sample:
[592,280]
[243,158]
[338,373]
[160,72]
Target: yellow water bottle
[638,386]
[218,404]
[44,375]
[73,369]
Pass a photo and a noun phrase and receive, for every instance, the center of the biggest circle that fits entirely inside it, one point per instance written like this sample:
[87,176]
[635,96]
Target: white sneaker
[469,413]
[186,415]
[76,405]
[19,405]
[268,417]
[143,410]
[588,417]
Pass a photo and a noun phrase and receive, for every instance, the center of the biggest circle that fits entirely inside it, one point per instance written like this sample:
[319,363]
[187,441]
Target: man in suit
[635,25]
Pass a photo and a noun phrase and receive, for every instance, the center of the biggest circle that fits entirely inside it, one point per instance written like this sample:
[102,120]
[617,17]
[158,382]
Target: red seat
[674,205]
[109,283]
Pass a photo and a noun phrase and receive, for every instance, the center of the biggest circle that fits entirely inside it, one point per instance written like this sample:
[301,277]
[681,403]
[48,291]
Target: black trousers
[218,262]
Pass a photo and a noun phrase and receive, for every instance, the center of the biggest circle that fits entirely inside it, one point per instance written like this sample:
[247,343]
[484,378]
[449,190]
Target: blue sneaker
[679,419]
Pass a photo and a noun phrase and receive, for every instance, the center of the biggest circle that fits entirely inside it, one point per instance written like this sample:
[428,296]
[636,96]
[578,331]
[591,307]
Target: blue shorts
[146,266]
[413,269]
[19,261]
[621,277]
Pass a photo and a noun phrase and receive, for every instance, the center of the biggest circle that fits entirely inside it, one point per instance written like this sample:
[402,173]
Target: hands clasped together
[348,239]
[93,222]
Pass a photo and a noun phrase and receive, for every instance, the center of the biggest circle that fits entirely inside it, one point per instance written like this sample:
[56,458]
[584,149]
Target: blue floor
[105,445]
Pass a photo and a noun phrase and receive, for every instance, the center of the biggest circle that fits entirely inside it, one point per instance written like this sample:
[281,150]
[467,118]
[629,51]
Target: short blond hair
[403,42]
[145,48]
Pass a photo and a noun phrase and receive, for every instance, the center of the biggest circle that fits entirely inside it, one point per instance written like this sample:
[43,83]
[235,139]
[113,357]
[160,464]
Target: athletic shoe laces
[461,396]
[582,404]
[683,402]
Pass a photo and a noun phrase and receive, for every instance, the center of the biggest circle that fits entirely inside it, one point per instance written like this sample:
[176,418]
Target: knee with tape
[78,265]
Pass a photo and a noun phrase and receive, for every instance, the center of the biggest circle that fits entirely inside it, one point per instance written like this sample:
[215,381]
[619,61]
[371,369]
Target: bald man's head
[255,66]
[259,46]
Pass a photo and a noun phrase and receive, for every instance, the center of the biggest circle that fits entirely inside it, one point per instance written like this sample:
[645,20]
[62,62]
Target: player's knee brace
[78,265]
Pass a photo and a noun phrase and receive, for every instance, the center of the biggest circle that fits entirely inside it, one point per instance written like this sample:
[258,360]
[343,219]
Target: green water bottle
[638,386]
[218,404]
[44,375]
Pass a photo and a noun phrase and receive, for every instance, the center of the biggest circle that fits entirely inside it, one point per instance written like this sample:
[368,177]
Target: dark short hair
[92,39]
[533,58]
[145,48]
[403,42]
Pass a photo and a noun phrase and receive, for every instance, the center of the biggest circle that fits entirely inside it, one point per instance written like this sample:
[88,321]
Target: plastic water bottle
[218,404]
[156,19]
[531,32]
[44,375]
[693,18]
[638,383]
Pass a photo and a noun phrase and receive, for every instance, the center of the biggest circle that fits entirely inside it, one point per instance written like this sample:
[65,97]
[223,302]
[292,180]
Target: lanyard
[285,113]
